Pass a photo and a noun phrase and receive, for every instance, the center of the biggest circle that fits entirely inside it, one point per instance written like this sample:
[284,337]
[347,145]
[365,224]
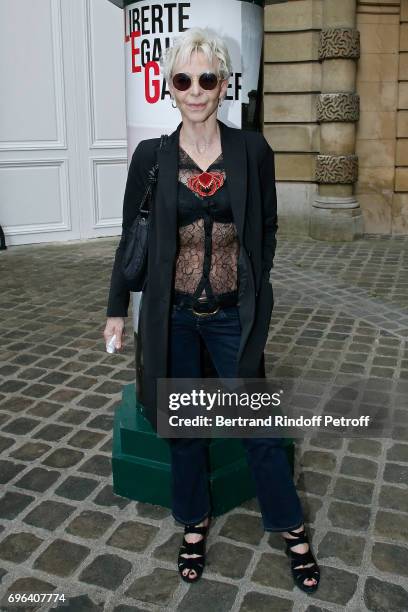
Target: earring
[173,103]
[220,102]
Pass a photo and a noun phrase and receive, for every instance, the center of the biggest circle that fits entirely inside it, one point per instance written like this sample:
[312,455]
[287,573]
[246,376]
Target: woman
[211,248]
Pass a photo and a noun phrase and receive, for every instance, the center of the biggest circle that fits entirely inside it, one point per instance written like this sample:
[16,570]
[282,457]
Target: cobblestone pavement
[340,326]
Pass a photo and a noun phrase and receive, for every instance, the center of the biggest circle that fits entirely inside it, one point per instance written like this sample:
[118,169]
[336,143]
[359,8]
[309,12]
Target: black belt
[204,306]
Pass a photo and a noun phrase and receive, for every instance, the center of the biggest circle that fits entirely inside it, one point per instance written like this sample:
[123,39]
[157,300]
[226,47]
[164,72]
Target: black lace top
[207,257]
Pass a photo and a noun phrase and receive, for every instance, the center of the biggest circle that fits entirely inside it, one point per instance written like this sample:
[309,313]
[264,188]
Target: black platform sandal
[196,563]
[300,574]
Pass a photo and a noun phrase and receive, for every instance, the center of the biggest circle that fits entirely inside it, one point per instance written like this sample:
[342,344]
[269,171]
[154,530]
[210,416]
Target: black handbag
[134,260]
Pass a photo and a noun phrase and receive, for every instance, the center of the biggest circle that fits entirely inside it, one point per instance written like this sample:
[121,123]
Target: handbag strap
[145,205]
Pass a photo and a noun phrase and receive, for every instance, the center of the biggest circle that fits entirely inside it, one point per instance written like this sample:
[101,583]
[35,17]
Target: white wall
[63,157]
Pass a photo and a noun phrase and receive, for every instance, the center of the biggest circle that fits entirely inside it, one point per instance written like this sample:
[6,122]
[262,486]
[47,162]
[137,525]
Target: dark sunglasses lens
[208,80]
[181,81]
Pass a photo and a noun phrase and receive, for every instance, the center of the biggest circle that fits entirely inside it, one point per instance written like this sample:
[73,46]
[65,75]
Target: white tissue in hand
[111,345]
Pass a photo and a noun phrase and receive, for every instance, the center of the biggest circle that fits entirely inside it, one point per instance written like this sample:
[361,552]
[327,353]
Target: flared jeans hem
[194,521]
[208,514]
[277,530]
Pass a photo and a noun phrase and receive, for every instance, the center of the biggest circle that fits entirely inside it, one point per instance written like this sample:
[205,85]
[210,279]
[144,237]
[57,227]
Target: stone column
[336,214]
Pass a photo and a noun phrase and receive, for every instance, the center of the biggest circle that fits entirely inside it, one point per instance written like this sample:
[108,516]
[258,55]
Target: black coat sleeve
[269,207]
[119,295]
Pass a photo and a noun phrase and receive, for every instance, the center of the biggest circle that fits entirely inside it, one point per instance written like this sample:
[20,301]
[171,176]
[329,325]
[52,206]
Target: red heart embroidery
[206,183]
[205,179]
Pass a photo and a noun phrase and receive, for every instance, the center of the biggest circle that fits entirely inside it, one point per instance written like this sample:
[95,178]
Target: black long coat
[250,180]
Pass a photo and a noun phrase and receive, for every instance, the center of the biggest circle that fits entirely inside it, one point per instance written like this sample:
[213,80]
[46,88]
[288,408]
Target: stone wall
[292,81]
[377,85]
[400,196]
[300,121]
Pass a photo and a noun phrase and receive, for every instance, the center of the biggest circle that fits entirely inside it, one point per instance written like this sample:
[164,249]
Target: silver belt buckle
[205,314]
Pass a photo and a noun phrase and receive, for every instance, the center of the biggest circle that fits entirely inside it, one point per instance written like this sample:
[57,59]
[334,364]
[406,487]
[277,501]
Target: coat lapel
[235,162]
[166,197]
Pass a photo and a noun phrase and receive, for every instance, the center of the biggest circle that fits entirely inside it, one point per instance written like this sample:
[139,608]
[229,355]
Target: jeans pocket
[230,313]
[175,309]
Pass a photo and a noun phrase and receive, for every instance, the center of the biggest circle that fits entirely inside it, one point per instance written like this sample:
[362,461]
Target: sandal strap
[302,558]
[303,573]
[190,564]
[312,573]
[191,548]
[292,543]
[193,529]
[305,559]
[298,538]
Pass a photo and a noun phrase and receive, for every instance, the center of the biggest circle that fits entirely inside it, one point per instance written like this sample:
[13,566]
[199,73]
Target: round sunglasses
[206,80]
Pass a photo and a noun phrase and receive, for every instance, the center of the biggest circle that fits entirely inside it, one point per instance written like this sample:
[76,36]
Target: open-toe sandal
[300,574]
[195,564]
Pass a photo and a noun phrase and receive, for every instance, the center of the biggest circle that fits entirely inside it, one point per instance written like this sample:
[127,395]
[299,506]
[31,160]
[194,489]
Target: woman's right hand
[115,326]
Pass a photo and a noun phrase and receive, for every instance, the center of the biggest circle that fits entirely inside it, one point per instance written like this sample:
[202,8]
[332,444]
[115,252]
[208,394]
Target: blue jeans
[279,503]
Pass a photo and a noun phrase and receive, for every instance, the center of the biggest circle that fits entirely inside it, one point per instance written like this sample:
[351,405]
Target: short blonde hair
[197,39]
